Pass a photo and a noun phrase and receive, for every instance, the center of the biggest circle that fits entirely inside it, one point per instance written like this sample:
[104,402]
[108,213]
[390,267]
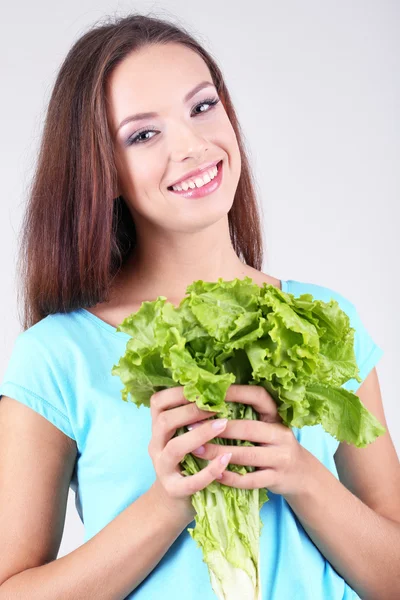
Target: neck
[165,263]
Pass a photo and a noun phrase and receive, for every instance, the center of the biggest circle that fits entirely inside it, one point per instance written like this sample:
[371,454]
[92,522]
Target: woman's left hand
[281,460]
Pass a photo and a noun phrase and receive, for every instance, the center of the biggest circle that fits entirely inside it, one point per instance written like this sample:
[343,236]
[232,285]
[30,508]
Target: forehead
[152,78]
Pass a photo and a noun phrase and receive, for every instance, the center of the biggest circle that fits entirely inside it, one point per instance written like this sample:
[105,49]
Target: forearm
[363,546]
[109,565]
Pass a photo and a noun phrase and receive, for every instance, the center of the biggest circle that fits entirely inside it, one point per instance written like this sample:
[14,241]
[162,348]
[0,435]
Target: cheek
[142,177]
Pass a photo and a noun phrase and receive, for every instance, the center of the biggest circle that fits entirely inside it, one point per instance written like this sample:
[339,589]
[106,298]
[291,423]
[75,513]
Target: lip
[196,172]
[204,190]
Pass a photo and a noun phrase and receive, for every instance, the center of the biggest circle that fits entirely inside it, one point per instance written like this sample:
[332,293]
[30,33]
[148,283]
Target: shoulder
[319,292]
[367,351]
[39,368]
[298,288]
[50,338]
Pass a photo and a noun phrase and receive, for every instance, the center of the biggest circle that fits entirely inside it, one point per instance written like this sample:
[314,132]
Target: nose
[187,143]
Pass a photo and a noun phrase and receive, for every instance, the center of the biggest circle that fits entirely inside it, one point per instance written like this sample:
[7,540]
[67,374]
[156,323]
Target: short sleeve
[34,378]
[367,352]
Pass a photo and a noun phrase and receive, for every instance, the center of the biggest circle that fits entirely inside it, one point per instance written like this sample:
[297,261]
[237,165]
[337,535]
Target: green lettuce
[301,350]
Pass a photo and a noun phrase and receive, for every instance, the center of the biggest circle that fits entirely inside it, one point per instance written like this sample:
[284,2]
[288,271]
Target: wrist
[180,510]
[306,475]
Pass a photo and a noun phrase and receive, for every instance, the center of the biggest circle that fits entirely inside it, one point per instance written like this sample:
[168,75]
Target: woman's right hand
[169,411]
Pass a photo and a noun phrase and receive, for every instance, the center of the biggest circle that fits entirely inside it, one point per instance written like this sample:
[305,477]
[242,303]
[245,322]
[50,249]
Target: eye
[138,139]
[210,101]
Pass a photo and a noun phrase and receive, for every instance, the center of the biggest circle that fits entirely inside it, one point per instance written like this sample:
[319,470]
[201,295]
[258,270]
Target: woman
[107,228]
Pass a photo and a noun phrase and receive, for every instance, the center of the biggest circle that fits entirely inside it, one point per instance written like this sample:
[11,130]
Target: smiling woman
[143,186]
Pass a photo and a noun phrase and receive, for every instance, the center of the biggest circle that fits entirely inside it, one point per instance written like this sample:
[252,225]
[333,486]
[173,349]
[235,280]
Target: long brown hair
[75,235]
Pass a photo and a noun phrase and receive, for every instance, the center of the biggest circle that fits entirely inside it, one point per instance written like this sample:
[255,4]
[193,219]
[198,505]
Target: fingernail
[225,458]
[219,423]
[200,450]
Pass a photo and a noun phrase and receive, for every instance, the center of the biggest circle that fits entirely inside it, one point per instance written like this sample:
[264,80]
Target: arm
[111,564]
[36,463]
[355,522]
[362,545]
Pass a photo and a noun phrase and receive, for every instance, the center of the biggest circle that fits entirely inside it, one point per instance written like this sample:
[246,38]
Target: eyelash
[133,139]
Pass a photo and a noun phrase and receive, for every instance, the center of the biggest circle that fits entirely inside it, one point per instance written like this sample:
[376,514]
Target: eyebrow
[151,115]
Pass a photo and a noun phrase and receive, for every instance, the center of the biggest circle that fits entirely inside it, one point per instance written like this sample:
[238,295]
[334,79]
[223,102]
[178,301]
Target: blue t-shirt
[61,368]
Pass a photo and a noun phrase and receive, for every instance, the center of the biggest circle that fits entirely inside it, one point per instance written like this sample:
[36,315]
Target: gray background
[316,87]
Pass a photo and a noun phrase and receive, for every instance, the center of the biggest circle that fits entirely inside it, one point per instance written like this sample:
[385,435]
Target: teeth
[197,182]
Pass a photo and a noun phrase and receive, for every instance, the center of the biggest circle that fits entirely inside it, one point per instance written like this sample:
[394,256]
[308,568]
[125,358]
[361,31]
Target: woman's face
[185,133]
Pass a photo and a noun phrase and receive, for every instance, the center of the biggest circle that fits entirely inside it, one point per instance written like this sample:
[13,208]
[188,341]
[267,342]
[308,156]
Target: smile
[205,187]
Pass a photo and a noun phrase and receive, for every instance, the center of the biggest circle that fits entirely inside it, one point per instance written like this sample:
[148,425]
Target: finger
[255,480]
[168,421]
[258,397]
[177,448]
[165,399]
[179,485]
[171,398]
[256,431]
[253,456]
